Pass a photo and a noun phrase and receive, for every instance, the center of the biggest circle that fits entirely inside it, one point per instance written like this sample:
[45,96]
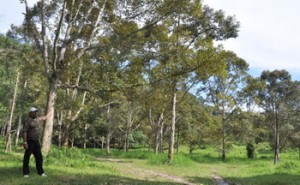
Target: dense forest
[131,73]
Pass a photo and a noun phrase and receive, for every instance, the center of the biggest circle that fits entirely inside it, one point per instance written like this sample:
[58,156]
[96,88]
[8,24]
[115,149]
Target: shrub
[263,148]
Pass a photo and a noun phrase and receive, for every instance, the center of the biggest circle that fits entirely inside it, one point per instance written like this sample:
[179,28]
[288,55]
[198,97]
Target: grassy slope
[92,166]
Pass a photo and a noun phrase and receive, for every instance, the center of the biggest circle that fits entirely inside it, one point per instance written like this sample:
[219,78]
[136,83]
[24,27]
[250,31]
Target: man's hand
[25,145]
[46,116]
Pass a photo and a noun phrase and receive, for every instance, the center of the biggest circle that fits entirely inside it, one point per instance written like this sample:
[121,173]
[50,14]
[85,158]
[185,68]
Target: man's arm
[46,116]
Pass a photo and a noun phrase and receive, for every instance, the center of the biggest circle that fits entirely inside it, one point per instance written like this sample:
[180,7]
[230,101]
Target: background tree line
[138,72]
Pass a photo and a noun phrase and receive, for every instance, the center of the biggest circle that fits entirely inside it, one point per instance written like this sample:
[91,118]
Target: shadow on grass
[13,176]
[274,179]
[271,179]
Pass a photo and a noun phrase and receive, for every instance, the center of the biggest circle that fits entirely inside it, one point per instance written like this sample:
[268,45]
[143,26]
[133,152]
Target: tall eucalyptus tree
[225,91]
[184,45]
[278,91]
[64,31]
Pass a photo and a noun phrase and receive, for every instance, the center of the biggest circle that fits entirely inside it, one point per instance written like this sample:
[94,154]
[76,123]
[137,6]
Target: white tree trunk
[60,122]
[18,130]
[172,130]
[8,129]
[48,128]
[109,131]
[276,148]
[159,133]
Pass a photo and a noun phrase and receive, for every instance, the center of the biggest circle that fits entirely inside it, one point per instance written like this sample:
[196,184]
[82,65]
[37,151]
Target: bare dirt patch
[218,179]
[126,167]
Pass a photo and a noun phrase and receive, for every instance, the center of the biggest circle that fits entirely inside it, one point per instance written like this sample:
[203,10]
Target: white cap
[33,109]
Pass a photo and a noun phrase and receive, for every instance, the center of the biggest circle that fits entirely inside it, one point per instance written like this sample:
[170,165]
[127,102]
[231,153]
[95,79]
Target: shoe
[44,175]
[26,176]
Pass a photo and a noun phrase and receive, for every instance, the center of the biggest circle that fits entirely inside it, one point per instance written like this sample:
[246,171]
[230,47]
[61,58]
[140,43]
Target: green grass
[140,166]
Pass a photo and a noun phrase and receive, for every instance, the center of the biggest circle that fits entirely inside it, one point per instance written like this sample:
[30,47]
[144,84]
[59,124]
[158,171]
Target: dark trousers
[34,148]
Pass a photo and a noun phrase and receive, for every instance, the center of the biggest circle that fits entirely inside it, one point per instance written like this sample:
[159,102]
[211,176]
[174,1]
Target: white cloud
[268,35]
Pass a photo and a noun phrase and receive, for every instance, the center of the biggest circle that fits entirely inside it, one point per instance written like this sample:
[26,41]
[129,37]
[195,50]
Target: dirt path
[150,174]
[128,168]
[218,179]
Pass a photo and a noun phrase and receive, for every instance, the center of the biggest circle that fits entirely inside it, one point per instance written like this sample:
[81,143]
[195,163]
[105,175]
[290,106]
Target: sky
[268,35]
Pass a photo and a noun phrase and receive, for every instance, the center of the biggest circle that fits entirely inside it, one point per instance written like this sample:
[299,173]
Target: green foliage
[263,147]
[139,138]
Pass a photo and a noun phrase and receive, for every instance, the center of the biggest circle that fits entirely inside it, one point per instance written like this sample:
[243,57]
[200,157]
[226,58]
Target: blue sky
[268,37]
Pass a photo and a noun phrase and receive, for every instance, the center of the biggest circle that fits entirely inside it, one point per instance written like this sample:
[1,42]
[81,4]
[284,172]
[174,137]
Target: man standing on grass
[31,137]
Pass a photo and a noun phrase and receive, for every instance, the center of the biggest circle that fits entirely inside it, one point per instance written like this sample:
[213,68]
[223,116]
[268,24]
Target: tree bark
[276,147]
[48,128]
[66,135]
[72,117]
[108,136]
[161,131]
[172,134]
[177,143]
[60,122]
[158,131]
[223,150]
[86,126]
[109,131]
[127,129]
[18,130]
[102,142]
[8,129]
[20,115]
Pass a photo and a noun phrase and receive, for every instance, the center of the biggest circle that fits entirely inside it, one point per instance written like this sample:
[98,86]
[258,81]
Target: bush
[263,148]
[67,157]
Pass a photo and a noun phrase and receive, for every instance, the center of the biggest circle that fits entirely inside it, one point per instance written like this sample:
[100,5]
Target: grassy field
[139,166]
